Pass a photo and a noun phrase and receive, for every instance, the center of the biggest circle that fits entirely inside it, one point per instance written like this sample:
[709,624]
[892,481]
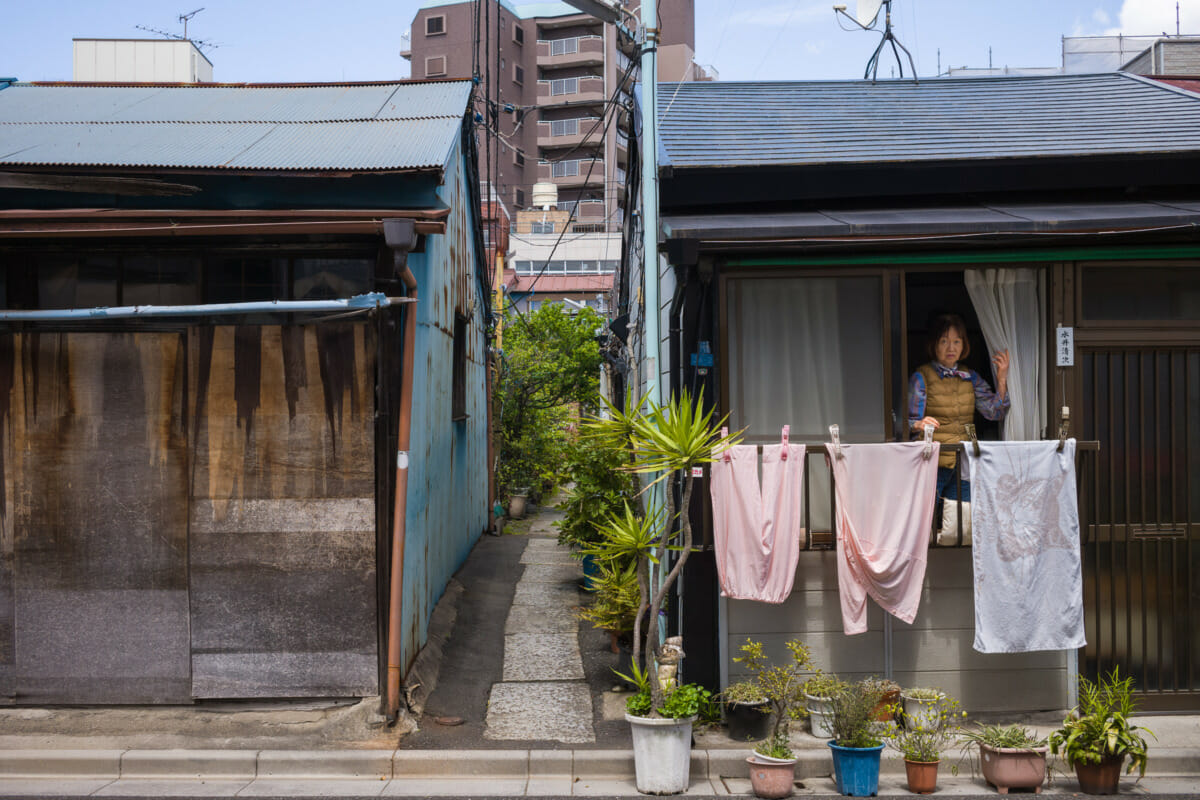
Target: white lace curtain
[1009,304]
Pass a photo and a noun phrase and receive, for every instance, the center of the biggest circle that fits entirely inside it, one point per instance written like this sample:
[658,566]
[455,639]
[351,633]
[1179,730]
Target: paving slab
[454,787]
[542,657]
[553,573]
[434,764]
[56,787]
[544,595]
[538,711]
[340,764]
[168,787]
[313,787]
[537,619]
[61,763]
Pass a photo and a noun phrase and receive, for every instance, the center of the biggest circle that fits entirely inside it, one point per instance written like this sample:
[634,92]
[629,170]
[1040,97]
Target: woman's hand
[928,421]
[1000,366]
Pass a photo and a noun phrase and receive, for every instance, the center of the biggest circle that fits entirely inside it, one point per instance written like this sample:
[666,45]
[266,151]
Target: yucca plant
[663,440]
[1100,726]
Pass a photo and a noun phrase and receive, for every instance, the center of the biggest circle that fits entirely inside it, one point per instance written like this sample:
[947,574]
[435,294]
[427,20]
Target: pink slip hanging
[756,532]
[885,499]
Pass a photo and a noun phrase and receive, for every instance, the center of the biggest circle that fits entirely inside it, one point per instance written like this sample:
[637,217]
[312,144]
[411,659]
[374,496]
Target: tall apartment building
[558,78]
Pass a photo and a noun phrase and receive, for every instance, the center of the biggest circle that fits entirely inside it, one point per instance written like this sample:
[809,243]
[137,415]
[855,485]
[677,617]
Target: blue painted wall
[448,479]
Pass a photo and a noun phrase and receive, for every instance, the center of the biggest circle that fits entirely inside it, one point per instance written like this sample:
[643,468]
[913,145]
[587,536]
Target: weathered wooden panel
[94,503]
[282,557]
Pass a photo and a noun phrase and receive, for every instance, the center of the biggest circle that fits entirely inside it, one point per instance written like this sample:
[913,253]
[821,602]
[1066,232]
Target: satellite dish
[865,12]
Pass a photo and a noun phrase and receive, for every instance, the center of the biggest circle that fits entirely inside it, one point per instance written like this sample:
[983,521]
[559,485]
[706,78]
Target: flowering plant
[926,737]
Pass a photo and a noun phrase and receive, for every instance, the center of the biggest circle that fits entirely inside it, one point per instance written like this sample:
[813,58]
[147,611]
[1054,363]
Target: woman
[946,396]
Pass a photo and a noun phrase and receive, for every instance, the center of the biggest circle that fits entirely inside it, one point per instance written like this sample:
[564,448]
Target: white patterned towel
[1028,579]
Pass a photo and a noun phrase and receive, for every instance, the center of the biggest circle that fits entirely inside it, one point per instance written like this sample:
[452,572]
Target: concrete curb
[500,765]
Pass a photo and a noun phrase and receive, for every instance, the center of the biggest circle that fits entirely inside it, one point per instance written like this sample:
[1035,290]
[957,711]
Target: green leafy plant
[615,598]
[930,735]
[923,693]
[1012,737]
[663,441]
[600,487]
[777,746]
[1100,726]
[686,700]
[745,692]
[852,715]
[824,685]
[782,685]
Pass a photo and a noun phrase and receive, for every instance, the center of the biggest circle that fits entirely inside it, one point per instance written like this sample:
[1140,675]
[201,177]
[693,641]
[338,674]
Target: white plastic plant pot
[820,715]
[662,753]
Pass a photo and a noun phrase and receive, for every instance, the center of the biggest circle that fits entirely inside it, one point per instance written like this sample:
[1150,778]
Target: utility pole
[650,197]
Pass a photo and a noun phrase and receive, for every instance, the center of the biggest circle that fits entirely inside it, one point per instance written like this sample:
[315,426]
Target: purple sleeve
[991,405]
[916,400]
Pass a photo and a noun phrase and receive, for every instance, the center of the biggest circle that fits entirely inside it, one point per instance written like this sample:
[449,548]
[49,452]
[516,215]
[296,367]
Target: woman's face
[949,348]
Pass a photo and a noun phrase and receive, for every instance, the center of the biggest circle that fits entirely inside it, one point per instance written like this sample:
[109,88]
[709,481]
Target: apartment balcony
[588,211]
[570,132]
[570,91]
[577,173]
[576,51]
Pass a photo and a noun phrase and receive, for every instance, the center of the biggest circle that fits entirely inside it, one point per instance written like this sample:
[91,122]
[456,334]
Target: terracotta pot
[922,776]
[1102,778]
[1005,767]
[882,711]
[772,779]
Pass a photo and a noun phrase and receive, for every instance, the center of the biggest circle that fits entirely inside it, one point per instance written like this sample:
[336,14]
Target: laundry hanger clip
[970,428]
[928,441]
[836,436]
[725,435]
[1063,427]
[787,430]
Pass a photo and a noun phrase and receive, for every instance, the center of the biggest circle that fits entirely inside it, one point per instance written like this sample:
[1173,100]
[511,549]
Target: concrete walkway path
[543,695]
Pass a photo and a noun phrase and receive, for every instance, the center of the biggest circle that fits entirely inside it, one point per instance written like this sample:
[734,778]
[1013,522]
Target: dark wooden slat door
[1142,540]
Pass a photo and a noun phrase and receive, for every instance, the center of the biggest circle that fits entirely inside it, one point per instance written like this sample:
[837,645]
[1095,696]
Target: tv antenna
[866,17]
[200,43]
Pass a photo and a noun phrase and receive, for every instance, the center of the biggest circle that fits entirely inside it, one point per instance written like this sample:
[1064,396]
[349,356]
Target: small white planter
[921,712]
[820,716]
[662,753]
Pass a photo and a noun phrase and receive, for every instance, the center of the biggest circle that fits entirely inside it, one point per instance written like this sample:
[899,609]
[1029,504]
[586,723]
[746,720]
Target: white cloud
[1100,17]
[1150,17]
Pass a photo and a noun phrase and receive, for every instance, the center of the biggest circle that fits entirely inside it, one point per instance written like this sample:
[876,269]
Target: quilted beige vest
[951,401]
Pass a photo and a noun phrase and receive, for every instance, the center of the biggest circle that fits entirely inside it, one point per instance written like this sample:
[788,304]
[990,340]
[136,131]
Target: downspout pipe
[401,237]
[359,302]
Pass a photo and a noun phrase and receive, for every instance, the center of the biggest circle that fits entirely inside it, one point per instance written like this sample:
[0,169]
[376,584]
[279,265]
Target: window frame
[428,73]
[440,19]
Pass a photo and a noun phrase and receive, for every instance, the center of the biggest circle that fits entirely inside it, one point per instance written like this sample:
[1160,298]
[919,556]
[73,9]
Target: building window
[518,73]
[518,158]
[435,65]
[519,197]
[458,397]
[564,86]
[563,47]
[564,127]
[541,227]
[518,34]
[564,169]
[435,26]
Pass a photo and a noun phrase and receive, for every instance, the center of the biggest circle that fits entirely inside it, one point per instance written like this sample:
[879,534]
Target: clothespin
[1063,427]
[970,428]
[725,435]
[787,430]
[836,436]
[928,441]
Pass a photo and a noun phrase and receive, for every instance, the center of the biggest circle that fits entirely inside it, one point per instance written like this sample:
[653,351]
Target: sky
[359,40]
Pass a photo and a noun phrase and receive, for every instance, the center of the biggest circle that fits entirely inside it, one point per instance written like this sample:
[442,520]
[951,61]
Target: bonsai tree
[783,687]
[663,441]
[1099,727]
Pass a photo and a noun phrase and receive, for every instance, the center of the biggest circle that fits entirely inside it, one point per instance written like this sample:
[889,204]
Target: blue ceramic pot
[856,770]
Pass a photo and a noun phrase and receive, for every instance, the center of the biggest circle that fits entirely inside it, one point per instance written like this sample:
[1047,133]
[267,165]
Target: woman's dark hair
[942,324]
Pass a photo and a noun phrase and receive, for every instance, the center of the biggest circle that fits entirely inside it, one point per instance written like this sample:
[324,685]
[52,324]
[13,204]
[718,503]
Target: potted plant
[1097,735]
[856,743]
[614,600]
[889,698]
[924,738]
[747,712]
[663,441]
[1009,756]
[921,706]
[773,765]
[818,695]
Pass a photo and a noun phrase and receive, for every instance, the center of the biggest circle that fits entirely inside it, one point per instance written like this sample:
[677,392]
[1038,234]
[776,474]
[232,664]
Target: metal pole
[650,198]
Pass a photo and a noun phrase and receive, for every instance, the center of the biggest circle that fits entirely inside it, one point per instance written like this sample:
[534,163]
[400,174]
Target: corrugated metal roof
[842,122]
[346,126]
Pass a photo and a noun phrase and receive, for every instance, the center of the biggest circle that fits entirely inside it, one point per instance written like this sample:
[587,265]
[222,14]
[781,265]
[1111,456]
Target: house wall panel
[95,476]
[282,559]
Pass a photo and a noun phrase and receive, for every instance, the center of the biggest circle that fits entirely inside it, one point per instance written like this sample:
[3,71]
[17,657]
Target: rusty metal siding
[282,511]
[447,490]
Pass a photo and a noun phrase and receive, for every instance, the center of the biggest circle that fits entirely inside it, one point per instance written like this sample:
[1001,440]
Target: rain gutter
[358,302]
